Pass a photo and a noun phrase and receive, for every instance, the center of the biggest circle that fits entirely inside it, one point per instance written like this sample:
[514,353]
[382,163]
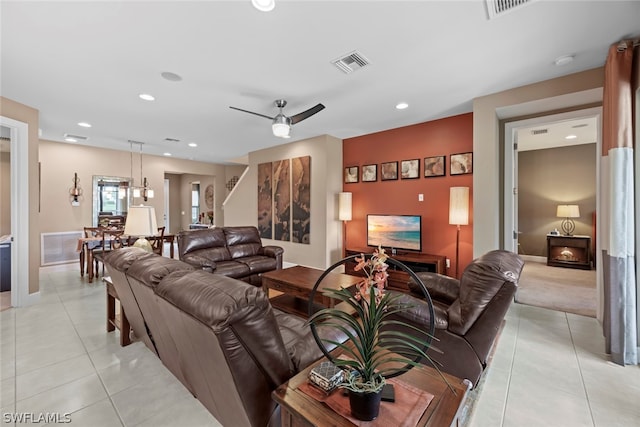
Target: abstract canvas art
[281,200]
[301,191]
[265,201]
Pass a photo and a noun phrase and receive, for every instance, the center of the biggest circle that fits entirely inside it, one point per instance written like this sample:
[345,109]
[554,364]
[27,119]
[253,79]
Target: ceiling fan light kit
[281,124]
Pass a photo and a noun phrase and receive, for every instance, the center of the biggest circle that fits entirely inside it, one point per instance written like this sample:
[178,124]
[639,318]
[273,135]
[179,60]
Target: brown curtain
[618,206]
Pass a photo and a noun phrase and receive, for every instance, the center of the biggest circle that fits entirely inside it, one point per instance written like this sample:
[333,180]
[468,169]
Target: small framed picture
[350,174]
[369,173]
[461,164]
[434,166]
[410,169]
[388,171]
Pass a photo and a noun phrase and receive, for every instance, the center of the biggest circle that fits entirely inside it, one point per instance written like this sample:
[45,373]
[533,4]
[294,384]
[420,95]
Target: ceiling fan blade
[251,112]
[306,114]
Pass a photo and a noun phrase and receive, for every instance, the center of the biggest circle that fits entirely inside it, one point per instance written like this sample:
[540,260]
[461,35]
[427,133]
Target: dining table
[86,245]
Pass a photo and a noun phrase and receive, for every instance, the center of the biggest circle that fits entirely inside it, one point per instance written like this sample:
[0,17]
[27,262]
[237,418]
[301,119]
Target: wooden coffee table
[296,284]
[298,409]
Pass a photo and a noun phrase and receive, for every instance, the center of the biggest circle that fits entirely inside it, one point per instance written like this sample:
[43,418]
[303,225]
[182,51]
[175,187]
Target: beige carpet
[558,288]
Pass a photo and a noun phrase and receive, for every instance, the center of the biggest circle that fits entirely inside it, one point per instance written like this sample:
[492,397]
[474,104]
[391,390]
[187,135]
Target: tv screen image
[395,231]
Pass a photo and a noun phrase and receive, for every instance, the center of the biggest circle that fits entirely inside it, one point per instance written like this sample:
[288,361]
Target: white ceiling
[88,61]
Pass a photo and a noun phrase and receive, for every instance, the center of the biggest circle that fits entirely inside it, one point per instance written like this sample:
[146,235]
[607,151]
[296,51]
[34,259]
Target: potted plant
[376,345]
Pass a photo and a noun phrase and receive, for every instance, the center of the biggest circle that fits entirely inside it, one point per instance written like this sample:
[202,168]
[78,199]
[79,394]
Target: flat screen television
[403,232]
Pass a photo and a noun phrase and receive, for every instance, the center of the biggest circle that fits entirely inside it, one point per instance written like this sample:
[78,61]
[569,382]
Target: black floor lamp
[458,213]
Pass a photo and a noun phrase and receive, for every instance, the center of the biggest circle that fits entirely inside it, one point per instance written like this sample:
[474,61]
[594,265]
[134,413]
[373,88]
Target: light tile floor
[548,370]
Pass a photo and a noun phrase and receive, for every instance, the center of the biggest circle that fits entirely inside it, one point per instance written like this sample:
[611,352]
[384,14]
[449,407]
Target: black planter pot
[365,406]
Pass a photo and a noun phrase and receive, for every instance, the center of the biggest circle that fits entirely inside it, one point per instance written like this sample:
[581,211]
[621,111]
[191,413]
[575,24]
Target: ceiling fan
[281,125]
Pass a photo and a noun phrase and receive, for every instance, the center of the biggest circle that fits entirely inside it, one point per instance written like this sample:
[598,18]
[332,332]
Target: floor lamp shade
[141,222]
[459,205]
[344,206]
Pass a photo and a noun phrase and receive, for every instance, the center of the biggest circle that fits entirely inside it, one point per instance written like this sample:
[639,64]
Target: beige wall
[22,113]
[5,193]
[487,111]
[61,160]
[326,183]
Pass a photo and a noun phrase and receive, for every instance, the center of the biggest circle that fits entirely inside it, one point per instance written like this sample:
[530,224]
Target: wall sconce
[344,215]
[567,212]
[75,192]
[458,213]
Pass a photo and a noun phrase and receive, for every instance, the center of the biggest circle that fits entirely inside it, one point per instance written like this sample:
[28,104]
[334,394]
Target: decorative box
[326,376]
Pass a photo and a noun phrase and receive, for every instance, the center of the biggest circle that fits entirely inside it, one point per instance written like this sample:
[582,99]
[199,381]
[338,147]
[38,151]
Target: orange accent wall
[447,136]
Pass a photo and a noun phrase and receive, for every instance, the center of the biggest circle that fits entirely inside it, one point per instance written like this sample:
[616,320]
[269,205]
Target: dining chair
[112,239]
[89,246]
[158,241]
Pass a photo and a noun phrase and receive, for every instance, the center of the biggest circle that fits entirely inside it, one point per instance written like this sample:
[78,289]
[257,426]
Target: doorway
[19,177]
[559,155]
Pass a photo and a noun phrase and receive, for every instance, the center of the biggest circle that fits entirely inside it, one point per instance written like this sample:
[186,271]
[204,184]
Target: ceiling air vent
[76,137]
[171,140]
[351,62]
[496,8]
[539,131]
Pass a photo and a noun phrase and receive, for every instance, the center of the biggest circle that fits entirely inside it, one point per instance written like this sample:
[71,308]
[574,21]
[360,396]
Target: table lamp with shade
[567,212]
[141,222]
[458,213]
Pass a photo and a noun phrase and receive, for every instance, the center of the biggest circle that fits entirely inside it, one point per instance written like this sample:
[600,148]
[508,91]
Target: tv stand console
[398,279]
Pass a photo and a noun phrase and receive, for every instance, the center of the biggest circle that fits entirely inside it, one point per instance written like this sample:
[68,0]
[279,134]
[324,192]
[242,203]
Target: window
[195,202]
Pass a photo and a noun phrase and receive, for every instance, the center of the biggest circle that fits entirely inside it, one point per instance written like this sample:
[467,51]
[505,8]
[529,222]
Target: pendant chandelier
[144,190]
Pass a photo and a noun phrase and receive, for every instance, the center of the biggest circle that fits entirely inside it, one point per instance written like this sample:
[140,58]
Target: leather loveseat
[230,251]
[468,312]
[219,336]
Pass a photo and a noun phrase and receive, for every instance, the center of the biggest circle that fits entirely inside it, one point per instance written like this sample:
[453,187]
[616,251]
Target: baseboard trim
[534,258]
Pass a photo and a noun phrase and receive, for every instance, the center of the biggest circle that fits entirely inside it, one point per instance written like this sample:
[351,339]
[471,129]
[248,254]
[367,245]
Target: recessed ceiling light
[84,124]
[147,97]
[172,77]
[402,105]
[564,60]
[69,139]
[167,154]
[192,144]
[570,137]
[264,5]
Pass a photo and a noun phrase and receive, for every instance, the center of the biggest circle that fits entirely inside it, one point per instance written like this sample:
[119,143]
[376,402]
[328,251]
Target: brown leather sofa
[230,251]
[219,336]
[468,312]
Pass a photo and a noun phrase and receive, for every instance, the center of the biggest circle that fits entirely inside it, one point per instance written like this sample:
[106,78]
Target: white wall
[326,182]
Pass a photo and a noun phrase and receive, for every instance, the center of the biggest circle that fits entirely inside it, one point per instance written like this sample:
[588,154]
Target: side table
[115,321]
[300,410]
[569,251]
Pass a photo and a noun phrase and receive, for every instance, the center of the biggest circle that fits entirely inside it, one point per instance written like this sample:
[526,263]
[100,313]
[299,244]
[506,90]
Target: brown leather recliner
[230,251]
[219,336]
[468,312]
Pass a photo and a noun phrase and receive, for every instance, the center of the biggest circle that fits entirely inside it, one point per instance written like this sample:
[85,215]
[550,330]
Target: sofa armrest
[199,262]
[306,351]
[274,252]
[441,288]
